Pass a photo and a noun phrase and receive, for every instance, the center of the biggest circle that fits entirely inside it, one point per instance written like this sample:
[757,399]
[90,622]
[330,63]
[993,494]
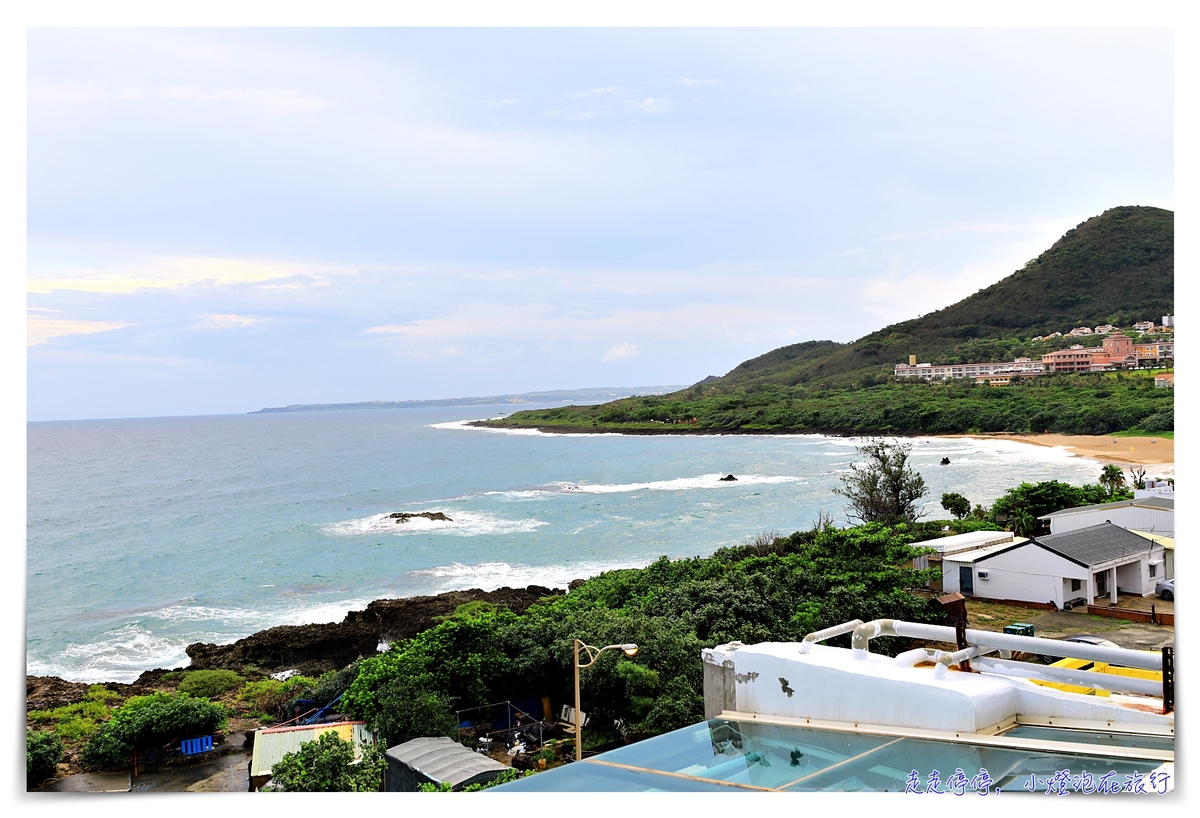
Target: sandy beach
[1155,454]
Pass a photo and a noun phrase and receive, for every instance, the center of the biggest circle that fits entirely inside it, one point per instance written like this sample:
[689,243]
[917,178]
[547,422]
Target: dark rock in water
[945,461]
[404,516]
[313,649]
[729,478]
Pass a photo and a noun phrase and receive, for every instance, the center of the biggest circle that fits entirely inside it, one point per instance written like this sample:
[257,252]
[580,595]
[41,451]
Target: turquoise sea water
[146,535]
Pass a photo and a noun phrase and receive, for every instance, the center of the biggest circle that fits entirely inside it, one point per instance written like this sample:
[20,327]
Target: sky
[221,220]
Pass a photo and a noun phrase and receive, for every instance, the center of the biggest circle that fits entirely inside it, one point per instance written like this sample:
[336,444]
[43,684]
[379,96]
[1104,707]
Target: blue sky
[225,219]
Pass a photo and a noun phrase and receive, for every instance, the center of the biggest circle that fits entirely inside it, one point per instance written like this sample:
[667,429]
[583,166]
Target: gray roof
[1096,544]
[1157,503]
[444,759]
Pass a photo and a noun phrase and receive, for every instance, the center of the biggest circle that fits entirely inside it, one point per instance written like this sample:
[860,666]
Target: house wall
[1156,521]
[1027,573]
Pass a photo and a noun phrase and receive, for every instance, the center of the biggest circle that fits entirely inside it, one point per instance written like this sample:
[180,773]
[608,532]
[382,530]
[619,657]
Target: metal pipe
[1062,675]
[964,655]
[864,633]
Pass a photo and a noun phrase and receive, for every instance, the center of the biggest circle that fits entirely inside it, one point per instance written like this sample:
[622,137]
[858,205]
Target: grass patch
[77,721]
[1139,433]
[209,683]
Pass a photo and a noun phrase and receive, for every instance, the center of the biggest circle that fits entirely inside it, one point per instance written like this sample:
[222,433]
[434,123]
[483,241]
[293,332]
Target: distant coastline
[601,394]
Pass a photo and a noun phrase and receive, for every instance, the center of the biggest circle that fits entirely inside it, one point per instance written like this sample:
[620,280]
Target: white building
[931,371]
[1168,321]
[1104,329]
[1062,569]
[1154,514]
[945,547]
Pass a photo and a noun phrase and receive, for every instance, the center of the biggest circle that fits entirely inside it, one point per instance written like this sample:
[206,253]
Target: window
[1153,570]
[1077,584]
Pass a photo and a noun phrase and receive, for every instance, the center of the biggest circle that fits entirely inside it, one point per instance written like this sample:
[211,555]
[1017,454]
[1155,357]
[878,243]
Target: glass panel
[1091,737]
[584,776]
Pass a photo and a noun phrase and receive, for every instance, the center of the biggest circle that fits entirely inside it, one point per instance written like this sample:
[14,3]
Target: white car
[1165,589]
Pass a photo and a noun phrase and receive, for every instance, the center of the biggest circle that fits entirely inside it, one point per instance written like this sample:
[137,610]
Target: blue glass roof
[725,755]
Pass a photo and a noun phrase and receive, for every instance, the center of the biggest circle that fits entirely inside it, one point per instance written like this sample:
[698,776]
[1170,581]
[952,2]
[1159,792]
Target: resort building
[1144,326]
[931,371]
[1166,381]
[1168,321]
[1080,331]
[1154,352]
[1104,329]
[1075,359]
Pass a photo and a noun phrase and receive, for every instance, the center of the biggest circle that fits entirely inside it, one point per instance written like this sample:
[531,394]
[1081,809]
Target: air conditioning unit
[983,574]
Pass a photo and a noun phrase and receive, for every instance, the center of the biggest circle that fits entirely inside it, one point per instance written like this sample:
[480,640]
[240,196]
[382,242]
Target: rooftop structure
[1145,514]
[804,716]
[436,759]
[272,744]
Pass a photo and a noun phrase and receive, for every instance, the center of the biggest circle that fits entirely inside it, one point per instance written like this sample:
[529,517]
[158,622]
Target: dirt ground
[1135,635]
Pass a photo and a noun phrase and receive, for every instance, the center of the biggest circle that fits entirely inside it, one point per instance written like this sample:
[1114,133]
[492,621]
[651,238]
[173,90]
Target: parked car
[1165,589]
[1083,639]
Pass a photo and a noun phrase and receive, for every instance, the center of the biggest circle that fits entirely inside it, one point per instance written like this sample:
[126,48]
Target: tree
[1023,522]
[886,488]
[956,504]
[328,765]
[1137,476]
[1112,478]
[150,721]
[43,751]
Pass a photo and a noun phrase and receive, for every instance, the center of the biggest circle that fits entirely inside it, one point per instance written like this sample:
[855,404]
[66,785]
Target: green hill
[1118,268]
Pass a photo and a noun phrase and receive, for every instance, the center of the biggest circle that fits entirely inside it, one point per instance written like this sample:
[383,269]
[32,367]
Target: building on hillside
[1168,321]
[1081,331]
[1116,352]
[1054,335]
[1020,366]
[1154,352]
[1075,359]
[1064,569]
[1144,326]
[1165,381]
[1104,329]
[1156,488]
[1154,514]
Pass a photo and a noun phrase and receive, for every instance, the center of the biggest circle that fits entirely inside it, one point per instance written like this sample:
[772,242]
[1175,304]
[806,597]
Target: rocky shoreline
[306,649]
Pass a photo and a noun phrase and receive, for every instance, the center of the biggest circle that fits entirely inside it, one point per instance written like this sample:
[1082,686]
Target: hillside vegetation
[1115,268]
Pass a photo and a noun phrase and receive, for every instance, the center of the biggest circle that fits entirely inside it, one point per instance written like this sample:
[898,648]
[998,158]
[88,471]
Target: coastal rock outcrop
[313,649]
[729,478]
[405,516]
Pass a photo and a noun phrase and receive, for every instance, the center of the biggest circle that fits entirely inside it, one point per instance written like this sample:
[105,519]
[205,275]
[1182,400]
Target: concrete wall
[1027,573]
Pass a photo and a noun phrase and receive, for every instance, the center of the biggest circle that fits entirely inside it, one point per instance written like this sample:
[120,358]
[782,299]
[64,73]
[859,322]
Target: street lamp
[629,650]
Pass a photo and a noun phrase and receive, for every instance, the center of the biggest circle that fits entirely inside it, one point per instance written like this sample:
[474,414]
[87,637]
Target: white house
[957,544]
[1063,569]
[1153,514]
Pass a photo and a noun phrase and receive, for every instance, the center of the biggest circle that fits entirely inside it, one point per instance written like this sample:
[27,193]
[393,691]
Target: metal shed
[272,744]
[436,759]
[1153,514]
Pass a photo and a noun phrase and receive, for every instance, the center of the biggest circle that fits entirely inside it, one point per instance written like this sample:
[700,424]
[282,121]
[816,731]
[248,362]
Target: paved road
[225,773]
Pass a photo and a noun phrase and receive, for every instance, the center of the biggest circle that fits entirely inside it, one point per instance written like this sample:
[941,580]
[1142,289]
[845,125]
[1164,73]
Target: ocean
[146,535]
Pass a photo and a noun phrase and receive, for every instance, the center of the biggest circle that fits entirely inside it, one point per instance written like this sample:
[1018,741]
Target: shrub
[328,765]
[271,696]
[210,683]
[1163,421]
[43,751]
[334,683]
[150,721]
[412,708]
[79,720]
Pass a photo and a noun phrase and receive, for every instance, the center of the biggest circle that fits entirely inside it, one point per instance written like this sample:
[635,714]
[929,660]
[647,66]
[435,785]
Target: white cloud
[450,352]
[275,100]
[497,103]
[621,351]
[608,89]
[40,330]
[692,82]
[164,273]
[225,321]
[652,106]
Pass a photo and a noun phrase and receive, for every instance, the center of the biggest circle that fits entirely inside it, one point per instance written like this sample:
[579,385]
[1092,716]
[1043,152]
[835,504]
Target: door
[966,580]
[1101,580]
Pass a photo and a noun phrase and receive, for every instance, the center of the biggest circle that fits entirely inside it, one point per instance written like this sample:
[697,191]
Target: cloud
[691,82]
[225,321]
[40,330]
[652,106]
[275,100]
[450,352]
[497,103]
[164,273]
[621,351]
[608,89]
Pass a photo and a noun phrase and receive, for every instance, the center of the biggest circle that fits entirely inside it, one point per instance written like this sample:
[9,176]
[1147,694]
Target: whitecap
[461,523]
[492,575]
[704,481]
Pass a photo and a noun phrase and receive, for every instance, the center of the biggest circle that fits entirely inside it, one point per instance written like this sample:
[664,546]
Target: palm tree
[1112,478]
[1022,522]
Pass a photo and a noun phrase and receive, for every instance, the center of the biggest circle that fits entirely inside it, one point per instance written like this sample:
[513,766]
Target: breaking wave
[461,523]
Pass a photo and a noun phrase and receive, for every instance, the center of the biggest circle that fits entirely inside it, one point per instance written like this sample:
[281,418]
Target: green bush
[210,683]
[328,765]
[1163,421]
[43,751]
[271,696]
[76,721]
[150,721]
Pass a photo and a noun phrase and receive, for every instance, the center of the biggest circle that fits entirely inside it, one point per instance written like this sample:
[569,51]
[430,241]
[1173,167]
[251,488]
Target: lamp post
[629,650]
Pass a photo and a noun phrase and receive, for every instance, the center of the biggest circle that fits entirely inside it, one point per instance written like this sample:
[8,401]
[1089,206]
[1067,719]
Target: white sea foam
[119,656]
[704,481]
[492,575]
[461,523]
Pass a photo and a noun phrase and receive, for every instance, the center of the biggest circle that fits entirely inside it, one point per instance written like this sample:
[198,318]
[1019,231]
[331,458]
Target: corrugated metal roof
[272,744]
[986,551]
[1165,542]
[1096,544]
[1156,503]
[965,542]
[443,759]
